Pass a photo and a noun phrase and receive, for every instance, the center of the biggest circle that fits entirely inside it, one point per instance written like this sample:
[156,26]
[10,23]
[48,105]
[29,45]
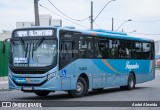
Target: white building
[45,20]
[56,22]
[157,47]
[24,24]
[4,35]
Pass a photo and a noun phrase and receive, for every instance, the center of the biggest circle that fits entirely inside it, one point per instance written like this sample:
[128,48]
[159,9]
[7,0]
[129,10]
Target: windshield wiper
[25,48]
[26,51]
[23,44]
[35,47]
[37,44]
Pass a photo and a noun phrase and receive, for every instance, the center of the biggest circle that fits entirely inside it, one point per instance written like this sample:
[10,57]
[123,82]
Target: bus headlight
[50,76]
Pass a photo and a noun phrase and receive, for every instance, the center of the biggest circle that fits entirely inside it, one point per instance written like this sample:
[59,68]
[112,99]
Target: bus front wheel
[42,93]
[81,89]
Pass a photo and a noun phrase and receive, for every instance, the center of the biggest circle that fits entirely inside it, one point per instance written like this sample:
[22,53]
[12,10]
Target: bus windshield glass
[34,53]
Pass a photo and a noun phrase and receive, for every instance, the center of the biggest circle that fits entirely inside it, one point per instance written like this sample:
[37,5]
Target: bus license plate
[27,88]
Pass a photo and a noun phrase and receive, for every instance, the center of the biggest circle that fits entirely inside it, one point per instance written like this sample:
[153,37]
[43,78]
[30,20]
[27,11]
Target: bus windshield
[34,53]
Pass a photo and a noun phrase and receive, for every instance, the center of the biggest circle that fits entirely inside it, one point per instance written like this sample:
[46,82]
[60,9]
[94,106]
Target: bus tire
[42,93]
[131,83]
[82,88]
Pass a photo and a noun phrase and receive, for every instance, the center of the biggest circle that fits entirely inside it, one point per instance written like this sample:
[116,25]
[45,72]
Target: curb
[4,78]
[4,89]
[4,83]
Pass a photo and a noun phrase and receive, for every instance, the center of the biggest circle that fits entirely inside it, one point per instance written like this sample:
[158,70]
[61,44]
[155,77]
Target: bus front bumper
[44,85]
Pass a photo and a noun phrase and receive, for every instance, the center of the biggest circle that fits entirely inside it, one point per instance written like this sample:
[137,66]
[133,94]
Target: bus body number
[82,68]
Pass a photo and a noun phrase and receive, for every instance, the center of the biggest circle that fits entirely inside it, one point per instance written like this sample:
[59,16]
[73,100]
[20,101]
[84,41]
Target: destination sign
[33,33]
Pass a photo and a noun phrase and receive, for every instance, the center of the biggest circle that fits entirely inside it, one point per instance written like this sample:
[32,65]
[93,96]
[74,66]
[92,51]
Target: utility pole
[112,24]
[36,12]
[92,20]
[91,14]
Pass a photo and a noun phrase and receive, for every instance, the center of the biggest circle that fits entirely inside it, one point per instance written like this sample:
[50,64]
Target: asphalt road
[149,91]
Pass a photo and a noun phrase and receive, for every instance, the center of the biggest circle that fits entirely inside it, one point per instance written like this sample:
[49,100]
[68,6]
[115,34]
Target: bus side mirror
[4,46]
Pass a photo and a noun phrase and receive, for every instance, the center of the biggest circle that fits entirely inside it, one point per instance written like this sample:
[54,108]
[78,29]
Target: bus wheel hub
[79,87]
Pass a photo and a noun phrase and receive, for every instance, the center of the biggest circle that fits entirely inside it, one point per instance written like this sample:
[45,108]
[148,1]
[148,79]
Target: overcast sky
[145,14]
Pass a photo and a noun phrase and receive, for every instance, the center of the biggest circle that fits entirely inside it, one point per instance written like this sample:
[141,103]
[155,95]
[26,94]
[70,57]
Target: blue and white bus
[49,59]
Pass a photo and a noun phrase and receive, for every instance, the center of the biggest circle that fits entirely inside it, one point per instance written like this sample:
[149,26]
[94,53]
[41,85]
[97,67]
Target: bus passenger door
[66,65]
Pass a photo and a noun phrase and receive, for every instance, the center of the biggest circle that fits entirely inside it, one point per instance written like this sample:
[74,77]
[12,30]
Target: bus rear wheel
[131,83]
[81,88]
[42,93]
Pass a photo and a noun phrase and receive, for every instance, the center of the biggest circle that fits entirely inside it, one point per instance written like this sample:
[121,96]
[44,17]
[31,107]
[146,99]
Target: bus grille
[29,72]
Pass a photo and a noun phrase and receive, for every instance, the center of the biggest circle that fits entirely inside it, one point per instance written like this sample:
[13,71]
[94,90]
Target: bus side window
[121,50]
[146,50]
[114,46]
[82,48]
[90,50]
[138,49]
[97,50]
[125,49]
[103,50]
[111,50]
[128,49]
[133,50]
[86,47]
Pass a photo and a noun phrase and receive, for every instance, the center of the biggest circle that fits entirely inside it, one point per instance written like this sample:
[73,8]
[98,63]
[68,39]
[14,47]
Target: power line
[134,32]
[137,20]
[97,24]
[62,16]
[145,34]
[94,22]
[147,21]
[132,20]
[65,14]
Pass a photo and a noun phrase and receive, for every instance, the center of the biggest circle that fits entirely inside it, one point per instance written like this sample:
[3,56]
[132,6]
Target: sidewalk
[3,83]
